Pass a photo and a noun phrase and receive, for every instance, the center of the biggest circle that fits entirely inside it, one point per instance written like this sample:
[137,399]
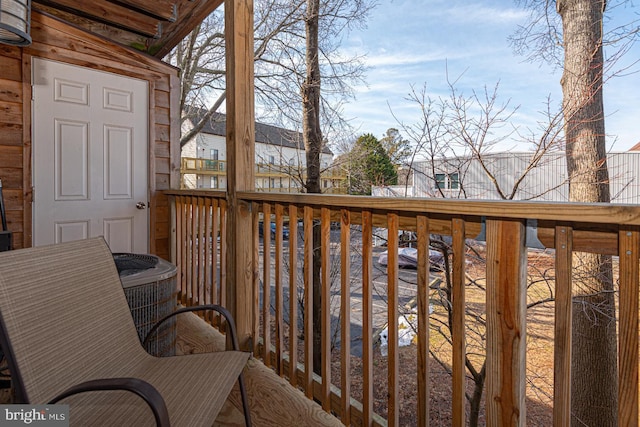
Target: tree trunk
[476,397]
[594,366]
[313,144]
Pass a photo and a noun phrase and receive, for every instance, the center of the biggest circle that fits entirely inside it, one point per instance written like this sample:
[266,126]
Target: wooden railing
[283,260]
[202,166]
[333,181]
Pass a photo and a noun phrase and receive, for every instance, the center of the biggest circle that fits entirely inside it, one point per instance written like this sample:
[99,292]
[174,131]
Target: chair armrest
[227,315]
[134,385]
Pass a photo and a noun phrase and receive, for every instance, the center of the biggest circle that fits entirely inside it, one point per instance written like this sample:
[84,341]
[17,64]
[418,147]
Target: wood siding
[60,41]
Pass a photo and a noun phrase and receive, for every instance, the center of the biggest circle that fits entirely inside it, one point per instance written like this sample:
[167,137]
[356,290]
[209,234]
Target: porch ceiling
[153,26]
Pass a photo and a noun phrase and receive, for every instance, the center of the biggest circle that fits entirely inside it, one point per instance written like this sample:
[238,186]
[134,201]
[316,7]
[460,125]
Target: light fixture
[15,22]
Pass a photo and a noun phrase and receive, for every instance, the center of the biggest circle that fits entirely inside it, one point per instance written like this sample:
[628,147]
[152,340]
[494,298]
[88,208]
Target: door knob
[141,205]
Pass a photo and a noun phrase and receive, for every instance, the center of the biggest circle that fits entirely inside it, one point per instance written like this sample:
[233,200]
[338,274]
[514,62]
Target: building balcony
[269,177]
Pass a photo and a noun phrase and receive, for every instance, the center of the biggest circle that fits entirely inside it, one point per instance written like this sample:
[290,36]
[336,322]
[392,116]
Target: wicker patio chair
[69,336]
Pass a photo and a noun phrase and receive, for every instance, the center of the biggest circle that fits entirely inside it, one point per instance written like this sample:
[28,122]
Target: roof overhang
[151,26]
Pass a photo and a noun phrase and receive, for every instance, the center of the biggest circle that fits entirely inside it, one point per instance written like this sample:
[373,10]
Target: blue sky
[415,42]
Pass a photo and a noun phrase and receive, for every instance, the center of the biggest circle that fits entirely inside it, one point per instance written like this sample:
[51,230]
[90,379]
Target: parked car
[408,258]
[285,230]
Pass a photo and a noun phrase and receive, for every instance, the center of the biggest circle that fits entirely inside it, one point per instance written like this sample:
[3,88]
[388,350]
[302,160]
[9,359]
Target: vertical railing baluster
[189,249]
[629,251]
[222,297]
[308,301]
[266,279]
[201,243]
[506,322]
[180,246]
[215,282]
[325,216]
[458,328]
[194,251]
[186,262]
[293,295]
[367,318]
[195,241]
[422,231]
[393,415]
[186,255]
[279,315]
[209,247]
[562,327]
[345,315]
[256,278]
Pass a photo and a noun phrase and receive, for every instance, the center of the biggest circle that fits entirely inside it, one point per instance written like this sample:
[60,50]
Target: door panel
[90,156]
[71,158]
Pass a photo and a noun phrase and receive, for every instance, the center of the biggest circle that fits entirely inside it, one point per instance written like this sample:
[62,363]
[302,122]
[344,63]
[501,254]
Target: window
[272,160]
[213,154]
[454,181]
[214,182]
[446,181]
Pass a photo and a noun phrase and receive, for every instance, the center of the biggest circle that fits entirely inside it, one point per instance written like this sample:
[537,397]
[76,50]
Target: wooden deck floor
[272,401]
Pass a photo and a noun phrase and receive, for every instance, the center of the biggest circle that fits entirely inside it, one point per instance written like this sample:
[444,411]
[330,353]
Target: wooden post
[240,162]
[563,329]
[458,340]
[393,365]
[506,323]
[422,228]
[629,248]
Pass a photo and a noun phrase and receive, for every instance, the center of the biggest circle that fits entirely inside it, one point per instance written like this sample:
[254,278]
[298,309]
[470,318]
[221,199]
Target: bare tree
[312,135]
[280,46]
[458,134]
[569,34]
[455,134]
[594,357]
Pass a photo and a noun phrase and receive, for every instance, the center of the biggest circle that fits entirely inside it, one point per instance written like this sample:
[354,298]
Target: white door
[90,139]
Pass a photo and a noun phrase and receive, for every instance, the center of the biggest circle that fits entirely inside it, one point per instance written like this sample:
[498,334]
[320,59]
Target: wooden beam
[110,14]
[506,323]
[240,161]
[600,235]
[190,14]
[586,213]
[165,10]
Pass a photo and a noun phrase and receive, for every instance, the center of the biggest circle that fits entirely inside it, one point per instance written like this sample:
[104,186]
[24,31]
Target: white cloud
[479,15]
[411,42]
